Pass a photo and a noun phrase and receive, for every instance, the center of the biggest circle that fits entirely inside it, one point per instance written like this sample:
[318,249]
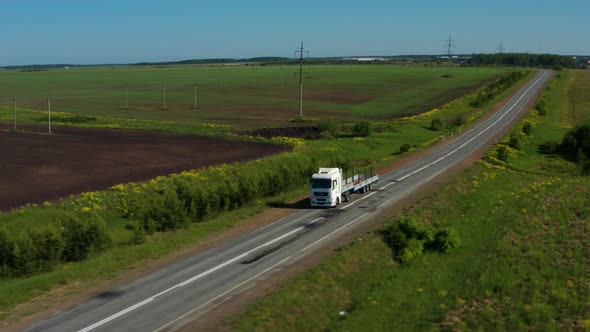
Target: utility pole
[163,96]
[449,45]
[14,100]
[49,112]
[572,99]
[253,77]
[196,100]
[281,76]
[126,98]
[301,51]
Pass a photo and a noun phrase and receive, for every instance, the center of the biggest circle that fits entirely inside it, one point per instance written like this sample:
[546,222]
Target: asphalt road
[163,300]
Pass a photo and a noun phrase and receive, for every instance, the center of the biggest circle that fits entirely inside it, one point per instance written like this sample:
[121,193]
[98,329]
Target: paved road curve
[162,300]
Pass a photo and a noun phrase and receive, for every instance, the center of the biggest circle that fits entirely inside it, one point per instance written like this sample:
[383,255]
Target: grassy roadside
[523,262]
[379,149]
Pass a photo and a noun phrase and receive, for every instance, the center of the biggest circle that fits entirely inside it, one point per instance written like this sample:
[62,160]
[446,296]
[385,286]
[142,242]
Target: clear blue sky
[123,31]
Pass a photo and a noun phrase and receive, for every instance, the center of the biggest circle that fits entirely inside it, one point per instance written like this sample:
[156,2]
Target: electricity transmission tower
[500,52]
[301,51]
[449,45]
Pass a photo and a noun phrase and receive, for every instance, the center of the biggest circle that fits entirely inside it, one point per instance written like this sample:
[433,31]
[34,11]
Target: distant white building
[365,59]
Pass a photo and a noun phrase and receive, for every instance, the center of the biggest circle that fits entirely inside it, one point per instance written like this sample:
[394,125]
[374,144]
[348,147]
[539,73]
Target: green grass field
[523,262]
[240,96]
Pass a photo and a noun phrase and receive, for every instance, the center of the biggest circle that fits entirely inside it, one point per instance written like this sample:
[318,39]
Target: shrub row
[73,237]
[408,239]
[173,202]
[500,85]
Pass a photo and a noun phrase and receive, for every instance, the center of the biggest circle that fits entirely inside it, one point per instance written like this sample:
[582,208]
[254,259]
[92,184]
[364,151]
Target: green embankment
[135,222]
[523,262]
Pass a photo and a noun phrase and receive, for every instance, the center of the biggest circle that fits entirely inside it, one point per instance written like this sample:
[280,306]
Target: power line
[301,51]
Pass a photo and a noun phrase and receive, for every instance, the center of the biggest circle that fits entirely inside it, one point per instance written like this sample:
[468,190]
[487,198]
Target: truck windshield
[321,183]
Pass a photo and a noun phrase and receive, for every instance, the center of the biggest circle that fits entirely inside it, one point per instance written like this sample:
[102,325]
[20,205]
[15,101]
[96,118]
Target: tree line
[522,59]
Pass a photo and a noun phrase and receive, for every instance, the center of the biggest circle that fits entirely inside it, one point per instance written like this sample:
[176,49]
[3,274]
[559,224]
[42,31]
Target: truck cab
[326,187]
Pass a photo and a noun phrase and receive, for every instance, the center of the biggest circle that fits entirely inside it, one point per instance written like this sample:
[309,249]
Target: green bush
[457,121]
[83,235]
[362,129]
[138,235]
[575,146]
[574,140]
[503,153]
[514,141]
[327,128]
[405,148]
[25,260]
[548,147]
[7,258]
[444,240]
[541,107]
[48,246]
[436,124]
[412,249]
[583,163]
[527,128]
[407,239]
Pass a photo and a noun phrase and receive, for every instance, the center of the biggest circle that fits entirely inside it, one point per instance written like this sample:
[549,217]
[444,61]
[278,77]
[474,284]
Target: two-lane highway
[162,300]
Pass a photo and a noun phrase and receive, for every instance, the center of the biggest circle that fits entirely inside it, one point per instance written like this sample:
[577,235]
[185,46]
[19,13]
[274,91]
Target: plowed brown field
[37,167]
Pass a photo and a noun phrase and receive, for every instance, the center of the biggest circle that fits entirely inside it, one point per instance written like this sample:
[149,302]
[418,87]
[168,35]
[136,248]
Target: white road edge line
[258,275]
[477,135]
[106,320]
[188,281]
[387,185]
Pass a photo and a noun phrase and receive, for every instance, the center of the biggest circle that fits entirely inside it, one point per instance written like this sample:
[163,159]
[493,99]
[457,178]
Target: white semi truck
[329,186]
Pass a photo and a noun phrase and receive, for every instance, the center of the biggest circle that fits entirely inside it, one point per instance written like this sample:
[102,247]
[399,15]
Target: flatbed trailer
[328,189]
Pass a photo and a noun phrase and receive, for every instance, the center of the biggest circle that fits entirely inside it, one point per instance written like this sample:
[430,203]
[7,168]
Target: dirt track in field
[37,167]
